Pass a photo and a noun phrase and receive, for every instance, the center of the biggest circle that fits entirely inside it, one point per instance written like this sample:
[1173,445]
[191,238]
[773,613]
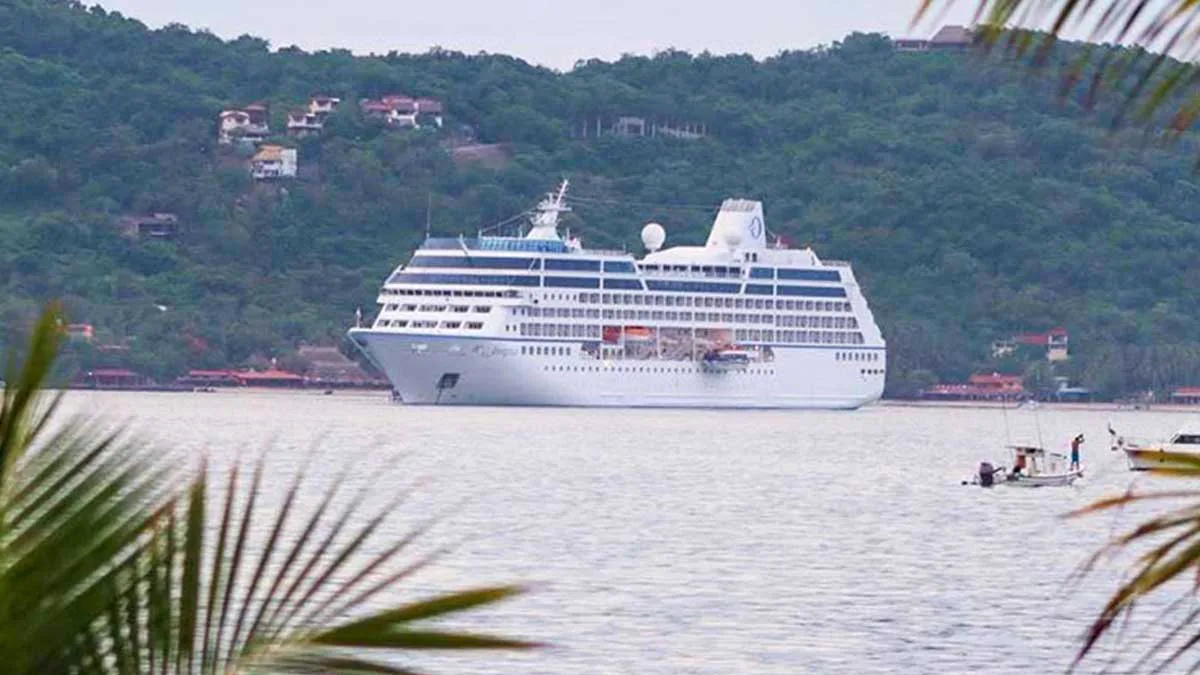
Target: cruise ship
[540,320]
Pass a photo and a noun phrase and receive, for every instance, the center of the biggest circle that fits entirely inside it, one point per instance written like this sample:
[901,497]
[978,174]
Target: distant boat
[1032,467]
[1180,450]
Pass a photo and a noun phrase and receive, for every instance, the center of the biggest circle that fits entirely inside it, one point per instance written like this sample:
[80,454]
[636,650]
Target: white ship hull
[447,370]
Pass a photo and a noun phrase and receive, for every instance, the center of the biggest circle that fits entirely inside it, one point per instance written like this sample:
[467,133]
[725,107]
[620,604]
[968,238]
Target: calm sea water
[709,542]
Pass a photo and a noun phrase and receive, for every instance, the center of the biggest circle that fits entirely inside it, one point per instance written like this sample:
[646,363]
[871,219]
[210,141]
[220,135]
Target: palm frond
[1169,550]
[114,561]
[1153,76]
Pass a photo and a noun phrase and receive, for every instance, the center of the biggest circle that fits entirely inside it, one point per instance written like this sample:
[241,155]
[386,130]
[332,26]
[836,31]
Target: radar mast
[545,219]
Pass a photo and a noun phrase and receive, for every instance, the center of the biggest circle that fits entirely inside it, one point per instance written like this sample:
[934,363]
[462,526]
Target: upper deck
[735,260]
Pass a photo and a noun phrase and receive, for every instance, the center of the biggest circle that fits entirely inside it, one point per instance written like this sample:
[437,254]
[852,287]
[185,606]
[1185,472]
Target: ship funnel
[739,225]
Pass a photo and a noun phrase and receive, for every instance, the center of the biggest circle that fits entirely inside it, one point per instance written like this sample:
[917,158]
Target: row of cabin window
[859,356]
[531,264]
[799,336]
[785,273]
[460,309]
[615,267]
[495,244]
[620,284]
[591,332]
[447,325]
[755,273]
[750,334]
[709,301]
[782,320]
[545,350]
[676,370]
[449,293]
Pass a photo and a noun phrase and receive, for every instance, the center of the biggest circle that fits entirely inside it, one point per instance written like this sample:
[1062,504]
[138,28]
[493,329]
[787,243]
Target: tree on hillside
[1159,92]
[1155,77]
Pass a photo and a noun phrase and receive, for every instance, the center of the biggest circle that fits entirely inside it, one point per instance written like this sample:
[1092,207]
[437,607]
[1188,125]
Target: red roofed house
[311,121]
[403,111]
[274,161]
[80,332]
[1055,341]
[111,378]
[250,124]
[1186,395]
[323,105]
[303,123]
[979,387]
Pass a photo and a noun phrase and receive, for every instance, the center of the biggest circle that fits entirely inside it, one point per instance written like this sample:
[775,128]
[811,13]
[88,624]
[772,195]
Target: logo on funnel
[756,227]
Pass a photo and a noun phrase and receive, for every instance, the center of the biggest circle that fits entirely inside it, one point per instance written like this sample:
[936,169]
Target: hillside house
[273,162]
[948,38]
[250,124]
[80,332]
[979,387]
[322,106]
[161,226]
[1055,342]
[404,112]
[311,121]
[302,123]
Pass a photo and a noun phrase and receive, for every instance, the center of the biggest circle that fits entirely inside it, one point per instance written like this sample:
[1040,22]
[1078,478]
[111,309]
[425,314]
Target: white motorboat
[1179,451]
[1032,467]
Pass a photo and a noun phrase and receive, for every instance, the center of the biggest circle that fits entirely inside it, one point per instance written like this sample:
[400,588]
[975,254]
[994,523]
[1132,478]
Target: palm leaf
[112,563]
[1169,549]
[1155,80]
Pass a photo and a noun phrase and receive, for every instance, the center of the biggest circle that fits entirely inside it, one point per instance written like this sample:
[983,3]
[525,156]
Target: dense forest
[973,201]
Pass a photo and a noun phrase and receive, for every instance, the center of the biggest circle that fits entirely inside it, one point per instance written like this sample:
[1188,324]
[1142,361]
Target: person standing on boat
[1075,443]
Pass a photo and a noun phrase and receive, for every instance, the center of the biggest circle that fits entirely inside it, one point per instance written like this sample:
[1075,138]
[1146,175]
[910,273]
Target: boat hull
[451,370]
[1043,480]
[1146,459]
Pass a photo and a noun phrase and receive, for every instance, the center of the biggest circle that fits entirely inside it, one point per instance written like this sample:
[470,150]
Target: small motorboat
[1179,451]
[1032,467]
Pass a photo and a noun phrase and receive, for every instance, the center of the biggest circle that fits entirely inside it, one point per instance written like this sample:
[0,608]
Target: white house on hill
[274,161]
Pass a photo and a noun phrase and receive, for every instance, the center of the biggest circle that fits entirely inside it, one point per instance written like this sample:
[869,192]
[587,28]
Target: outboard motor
[986,474]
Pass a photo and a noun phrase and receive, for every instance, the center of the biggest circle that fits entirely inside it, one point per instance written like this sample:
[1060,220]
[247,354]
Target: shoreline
[996,405]
[884,403]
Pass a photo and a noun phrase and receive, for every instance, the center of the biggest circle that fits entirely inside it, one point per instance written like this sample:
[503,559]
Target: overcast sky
[554,34]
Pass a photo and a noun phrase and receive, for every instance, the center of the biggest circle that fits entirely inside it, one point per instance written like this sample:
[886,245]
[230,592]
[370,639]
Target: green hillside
[973,204]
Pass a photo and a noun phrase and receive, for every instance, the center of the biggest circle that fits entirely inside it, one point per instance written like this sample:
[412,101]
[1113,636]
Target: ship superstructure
[541,320]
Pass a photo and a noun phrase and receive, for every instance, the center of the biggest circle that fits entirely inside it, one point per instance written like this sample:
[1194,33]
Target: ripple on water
[714,542]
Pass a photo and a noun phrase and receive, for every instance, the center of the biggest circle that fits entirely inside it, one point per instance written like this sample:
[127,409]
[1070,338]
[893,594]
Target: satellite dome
[733,237]
[653,236]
